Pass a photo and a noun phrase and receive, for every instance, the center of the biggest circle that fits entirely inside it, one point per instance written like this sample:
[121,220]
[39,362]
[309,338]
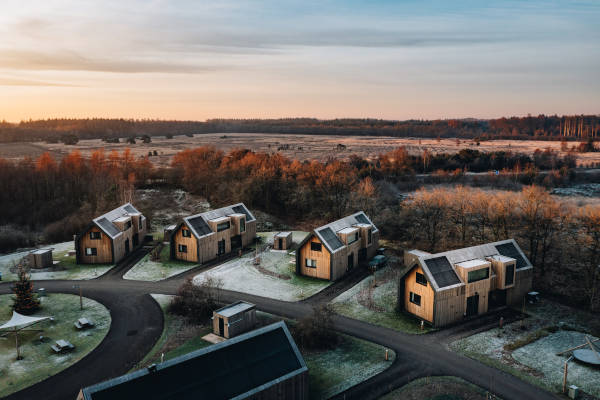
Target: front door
[280,244]
[221,327]
[136,239]
[221,249]
[126,246]
[472,305]
[351,261]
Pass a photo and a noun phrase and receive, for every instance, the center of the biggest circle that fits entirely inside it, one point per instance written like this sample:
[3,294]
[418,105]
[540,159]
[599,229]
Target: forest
[45,200]
[541,127]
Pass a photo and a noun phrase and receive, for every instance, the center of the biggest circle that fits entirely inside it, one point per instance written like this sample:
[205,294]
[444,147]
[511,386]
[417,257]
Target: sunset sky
[384,59]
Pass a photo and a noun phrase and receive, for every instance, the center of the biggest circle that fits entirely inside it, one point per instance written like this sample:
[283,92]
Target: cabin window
[186,233]
[223,226]
[415,298]
[141,224]
[509,278]
[478,275]
[370,237]
[95,235]
[421,279]
[310,263]
[221,247]
[352,238]
[314,246]
[91,251]
[127,225]
[182,248]
[242,225]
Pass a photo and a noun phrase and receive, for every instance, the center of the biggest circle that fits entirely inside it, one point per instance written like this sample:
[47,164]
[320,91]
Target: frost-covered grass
[351,362]
[148,270]
[376,304]
[66,269]
[438,388]
[242,275]
[39,361]
[541,356]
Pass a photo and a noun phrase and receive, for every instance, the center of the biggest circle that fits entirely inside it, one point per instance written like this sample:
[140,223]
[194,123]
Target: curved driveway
[137,323]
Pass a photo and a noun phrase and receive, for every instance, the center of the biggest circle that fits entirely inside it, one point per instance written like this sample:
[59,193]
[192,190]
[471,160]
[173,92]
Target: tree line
[543,127]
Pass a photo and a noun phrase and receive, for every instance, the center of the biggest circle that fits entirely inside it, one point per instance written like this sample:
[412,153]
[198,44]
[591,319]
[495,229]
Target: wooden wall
[450,306]
[523,284]
[425,310]
[236,324]
[323,259]
[103,246]
[372,249]
[250,234]
[293,388]
[190,242]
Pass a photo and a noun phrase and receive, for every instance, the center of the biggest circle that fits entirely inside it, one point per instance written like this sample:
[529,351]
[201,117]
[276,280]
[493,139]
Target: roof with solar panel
[440,267]
[199,223]
[105,221]
[328,234]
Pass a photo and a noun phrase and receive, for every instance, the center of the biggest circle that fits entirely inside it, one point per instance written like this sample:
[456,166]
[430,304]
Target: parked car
[379,261]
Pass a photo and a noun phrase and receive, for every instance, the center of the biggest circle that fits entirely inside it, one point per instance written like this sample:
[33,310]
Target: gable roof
[327,234]
[237,368]
[105,221]
[199,223]
[440,270]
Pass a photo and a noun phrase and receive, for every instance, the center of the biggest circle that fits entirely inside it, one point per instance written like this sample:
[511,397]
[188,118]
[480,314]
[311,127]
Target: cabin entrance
[280,244]
[497,298]
[472,305]
[236,242]
[136,239]
[221,327]
[127,246]
[362,255]
[221,248]
[351,261]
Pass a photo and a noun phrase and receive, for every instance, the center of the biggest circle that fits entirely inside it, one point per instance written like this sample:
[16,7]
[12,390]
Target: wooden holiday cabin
[282,241]
[111,237]
[331,250]
[203,237]
[263,364]
[446,287]
[234,319]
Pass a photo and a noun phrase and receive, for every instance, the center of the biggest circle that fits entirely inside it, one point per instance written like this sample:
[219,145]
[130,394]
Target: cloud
[27,82]
[71,61]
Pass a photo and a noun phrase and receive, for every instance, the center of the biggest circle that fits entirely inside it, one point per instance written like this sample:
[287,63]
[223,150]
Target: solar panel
[509,250]
[331,238]
[108,227]
[442,271]
[199,225]
[362,219]
[242,210]
[130,209]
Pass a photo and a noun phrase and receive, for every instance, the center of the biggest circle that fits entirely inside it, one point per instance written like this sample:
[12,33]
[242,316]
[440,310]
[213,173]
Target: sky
[194,60]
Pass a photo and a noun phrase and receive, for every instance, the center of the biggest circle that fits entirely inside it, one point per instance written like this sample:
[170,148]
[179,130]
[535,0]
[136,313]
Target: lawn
[66,269]
[148,270]
[39,361]
[373,300]
[275,277]
[351,362]
[438,388]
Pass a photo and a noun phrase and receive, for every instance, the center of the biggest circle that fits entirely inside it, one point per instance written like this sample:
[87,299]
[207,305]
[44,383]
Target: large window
[91,251]
[223,226]
[509,279]
[141,224]
[352,238]
[311,263]
[415,298]
[127,225]
[186,233]
[242,225]
[182,248]
[95,235]
[478,275]
[370,236]
[314,246]
[421,279]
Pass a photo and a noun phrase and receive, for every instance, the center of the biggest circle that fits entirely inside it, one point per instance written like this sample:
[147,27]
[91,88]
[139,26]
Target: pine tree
[25,301]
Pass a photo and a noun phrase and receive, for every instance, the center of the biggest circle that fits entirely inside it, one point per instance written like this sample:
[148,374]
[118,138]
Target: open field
[148,270]
[438,388]
[302,147]
[39,361]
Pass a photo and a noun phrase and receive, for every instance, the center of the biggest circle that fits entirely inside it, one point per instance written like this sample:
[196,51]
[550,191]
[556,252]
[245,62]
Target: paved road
[137,324]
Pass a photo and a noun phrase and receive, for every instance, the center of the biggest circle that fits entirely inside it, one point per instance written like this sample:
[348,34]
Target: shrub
[25,301]
[196,302]
[169,136]
[69,139]
[315,332]
[12,239]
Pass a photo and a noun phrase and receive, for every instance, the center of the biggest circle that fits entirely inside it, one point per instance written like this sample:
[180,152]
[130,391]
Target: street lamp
[80,297]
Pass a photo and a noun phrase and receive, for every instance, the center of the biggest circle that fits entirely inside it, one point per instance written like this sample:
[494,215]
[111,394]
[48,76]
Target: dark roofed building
[331,250]
[262,364]
[445,287]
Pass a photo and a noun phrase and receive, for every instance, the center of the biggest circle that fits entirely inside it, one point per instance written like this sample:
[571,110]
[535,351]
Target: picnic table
[61,346]
[83,323]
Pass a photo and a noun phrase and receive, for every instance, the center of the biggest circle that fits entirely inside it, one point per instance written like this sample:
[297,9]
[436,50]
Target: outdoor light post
[80,296]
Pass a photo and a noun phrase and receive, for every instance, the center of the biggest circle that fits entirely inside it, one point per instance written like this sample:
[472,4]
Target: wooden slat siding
[482,287]
[294,388]
[247,323]
[250,234]
[339,263]
[450,306]
[323,258]
[500,269]
[523,285]
[190,242]
[425,310]
[103,246]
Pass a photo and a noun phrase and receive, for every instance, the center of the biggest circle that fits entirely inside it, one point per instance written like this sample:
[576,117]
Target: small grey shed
[282,241]
[234,319]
